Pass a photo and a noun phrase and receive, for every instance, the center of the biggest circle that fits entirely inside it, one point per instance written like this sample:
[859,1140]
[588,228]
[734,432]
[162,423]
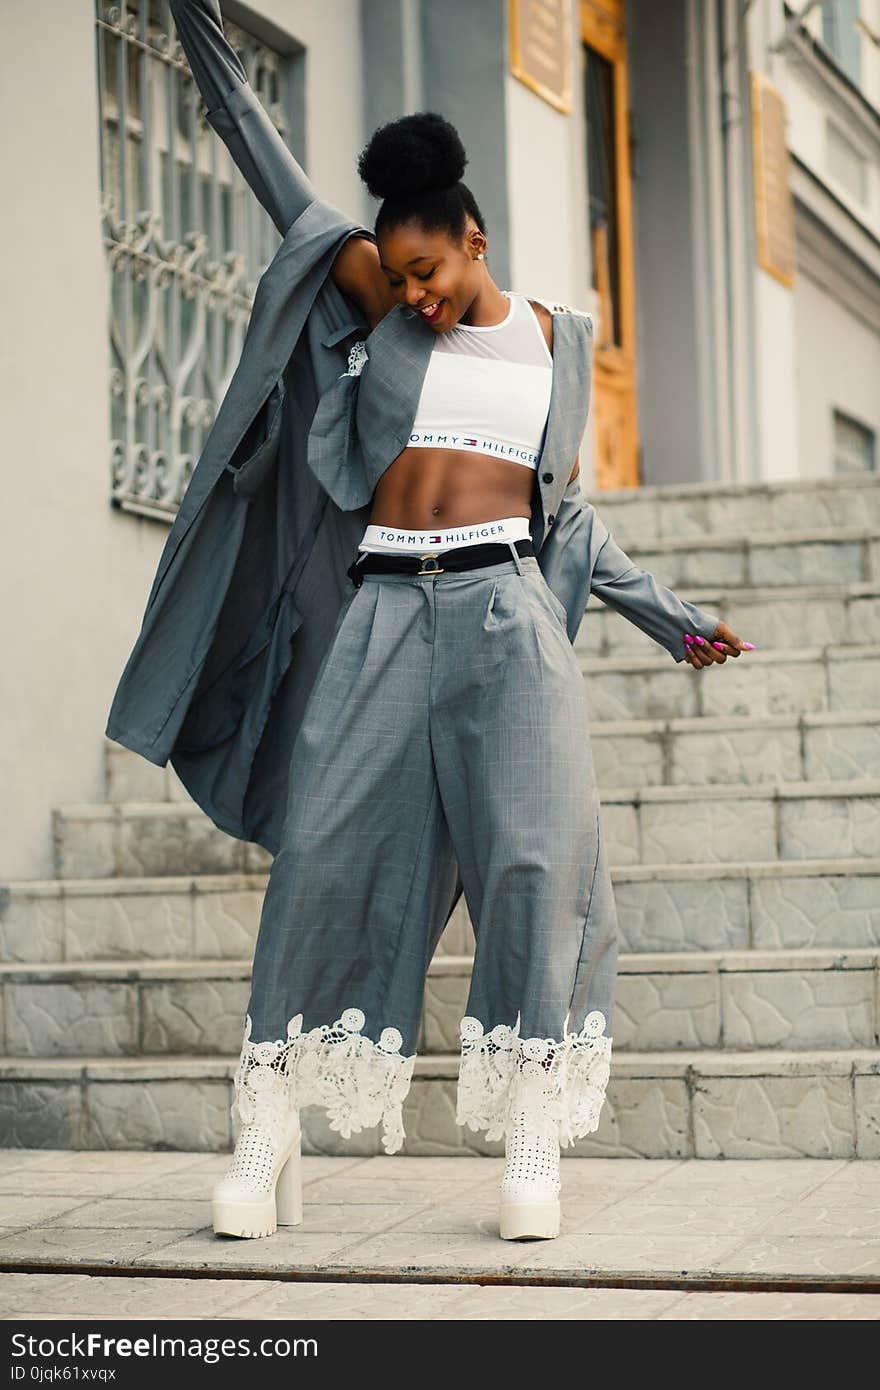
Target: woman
[445,743]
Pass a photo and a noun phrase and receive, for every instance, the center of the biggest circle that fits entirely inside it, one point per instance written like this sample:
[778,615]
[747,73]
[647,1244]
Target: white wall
[548,206]
[838,367]
[75,572]
[61,554]
[330,30]
[776,358]
[547,189]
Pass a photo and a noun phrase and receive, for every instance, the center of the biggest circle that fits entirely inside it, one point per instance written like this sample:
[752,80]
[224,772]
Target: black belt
[464,557]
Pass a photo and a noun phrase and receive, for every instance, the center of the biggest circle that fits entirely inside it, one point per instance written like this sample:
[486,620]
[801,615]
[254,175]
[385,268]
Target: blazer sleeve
[235,112]
[636,595]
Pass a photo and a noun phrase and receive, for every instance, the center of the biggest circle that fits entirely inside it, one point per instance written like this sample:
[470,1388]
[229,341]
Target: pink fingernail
[750,646]
[719,646]
[688,639]
[701,642]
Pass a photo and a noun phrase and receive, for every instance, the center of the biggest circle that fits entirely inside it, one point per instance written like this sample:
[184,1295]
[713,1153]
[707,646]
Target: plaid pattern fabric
[446,733]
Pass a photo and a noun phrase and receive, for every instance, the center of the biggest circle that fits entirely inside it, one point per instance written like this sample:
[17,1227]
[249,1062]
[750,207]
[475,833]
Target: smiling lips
[432,311]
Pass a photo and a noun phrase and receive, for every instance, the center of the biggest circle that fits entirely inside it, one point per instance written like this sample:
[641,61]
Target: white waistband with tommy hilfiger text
[473,443]
[386,539]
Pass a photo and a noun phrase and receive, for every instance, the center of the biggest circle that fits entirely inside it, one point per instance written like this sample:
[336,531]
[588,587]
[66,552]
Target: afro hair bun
[411,155]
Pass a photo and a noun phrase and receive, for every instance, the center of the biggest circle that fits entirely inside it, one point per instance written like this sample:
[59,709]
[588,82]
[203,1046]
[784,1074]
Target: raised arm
[235,112]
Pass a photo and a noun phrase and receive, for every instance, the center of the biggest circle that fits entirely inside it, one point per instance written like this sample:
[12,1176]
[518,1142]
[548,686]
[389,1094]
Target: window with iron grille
[186,242]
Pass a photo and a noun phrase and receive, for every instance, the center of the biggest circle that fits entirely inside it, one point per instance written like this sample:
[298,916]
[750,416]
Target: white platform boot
[262,1188]
[531,1187]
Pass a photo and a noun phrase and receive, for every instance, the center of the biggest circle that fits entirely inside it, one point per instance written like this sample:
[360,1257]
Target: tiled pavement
[403,1237]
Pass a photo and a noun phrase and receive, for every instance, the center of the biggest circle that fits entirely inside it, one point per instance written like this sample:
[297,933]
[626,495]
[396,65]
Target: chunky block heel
[520,1220]
[288,1191]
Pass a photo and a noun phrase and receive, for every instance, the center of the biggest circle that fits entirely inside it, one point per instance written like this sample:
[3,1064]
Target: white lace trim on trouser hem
[359,1082]
[556,1087]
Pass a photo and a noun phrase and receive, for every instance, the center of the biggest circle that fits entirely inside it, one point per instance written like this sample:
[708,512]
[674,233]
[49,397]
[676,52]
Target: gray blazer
[253,572]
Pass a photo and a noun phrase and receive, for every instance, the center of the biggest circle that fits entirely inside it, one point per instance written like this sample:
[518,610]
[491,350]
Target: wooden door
[614,404]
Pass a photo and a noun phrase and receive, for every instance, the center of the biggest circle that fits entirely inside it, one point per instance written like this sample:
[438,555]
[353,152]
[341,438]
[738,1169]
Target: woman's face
[427,268]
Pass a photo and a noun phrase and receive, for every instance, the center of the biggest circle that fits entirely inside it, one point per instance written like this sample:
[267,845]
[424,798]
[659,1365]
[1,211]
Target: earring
[480,256]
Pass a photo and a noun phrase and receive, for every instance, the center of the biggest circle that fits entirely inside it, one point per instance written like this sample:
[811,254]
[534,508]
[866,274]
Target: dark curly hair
[415,165]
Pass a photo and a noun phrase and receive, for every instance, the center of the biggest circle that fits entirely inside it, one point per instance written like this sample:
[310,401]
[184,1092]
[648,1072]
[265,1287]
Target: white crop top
[488,388]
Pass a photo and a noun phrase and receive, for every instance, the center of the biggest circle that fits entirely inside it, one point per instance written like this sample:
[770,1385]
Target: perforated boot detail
[532,1169]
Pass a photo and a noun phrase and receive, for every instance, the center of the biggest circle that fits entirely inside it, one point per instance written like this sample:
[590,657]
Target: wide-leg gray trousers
[447,730]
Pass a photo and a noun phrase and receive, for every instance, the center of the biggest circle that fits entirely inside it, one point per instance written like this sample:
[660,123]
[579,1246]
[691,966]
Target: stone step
[829,614]
[684,510]
[704,824]
[141,838]
[778,904]
[824,555]
[129,777]
[156,917]
[797,1000]
[748,750]
[664,1000]
[784,904]
[789,680]
[703,1104]
[691,823]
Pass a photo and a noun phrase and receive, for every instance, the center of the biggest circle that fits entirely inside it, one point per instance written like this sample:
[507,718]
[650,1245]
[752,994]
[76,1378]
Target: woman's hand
[724,643]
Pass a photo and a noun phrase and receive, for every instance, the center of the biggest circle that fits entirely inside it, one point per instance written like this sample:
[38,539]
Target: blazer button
[550,520]
[547,477]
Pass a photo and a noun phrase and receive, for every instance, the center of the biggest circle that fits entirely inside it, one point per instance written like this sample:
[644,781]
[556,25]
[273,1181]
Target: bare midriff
[449,487]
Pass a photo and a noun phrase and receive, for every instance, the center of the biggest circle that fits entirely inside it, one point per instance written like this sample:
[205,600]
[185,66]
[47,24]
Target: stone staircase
[742,805]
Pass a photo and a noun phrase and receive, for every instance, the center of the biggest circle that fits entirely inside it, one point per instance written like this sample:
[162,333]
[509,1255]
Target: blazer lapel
[559,414]
[398,353]
[566,418]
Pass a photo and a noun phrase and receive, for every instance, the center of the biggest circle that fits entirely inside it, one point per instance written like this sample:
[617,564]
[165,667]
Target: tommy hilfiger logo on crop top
[481,444]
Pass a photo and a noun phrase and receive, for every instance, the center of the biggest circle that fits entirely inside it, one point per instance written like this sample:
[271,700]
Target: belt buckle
[432,569]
